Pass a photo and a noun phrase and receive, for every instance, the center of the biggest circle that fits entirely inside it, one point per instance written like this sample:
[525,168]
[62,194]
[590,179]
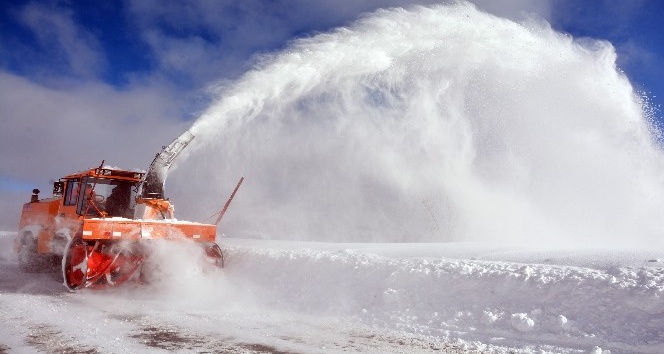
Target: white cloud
[63,39]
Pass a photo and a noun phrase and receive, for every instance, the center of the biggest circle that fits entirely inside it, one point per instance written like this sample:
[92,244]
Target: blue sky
[85,80]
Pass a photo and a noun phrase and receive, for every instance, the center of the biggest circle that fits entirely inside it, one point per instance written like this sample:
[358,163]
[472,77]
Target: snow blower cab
[101,192]
[99,223]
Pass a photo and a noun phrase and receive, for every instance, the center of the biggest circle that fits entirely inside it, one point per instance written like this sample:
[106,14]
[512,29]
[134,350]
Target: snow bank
[488,304]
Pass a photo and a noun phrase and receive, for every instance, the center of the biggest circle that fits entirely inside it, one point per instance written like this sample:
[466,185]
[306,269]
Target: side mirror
[58,189]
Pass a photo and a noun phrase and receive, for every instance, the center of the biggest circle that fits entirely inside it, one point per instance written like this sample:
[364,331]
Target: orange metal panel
[125,229]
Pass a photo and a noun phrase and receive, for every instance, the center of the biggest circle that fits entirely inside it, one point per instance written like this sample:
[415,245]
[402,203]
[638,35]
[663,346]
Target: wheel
[28,258]
[75,264]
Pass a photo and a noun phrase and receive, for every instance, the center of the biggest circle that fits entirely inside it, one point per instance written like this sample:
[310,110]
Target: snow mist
[431,125]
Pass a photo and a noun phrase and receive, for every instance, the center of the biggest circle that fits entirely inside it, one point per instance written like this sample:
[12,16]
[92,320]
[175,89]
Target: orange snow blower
[99,222]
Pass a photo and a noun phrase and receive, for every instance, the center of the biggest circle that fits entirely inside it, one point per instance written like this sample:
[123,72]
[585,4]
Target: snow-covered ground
[306,297]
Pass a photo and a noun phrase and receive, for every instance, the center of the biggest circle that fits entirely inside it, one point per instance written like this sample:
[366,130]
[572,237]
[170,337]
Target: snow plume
[179,272]
[432,124]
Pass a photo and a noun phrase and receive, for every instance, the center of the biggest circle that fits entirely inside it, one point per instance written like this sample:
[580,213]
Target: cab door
[67,221]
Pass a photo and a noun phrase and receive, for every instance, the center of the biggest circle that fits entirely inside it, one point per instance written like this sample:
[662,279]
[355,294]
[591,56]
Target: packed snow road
[183,311]
[41,317]
[298,297]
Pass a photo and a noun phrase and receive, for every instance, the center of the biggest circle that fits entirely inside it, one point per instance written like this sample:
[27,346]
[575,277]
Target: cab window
[107,197]
[71,195]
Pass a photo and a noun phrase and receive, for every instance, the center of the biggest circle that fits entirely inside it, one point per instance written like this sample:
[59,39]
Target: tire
[28,259]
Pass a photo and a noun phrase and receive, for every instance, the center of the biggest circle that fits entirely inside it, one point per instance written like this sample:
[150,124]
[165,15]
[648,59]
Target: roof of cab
[109,173]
